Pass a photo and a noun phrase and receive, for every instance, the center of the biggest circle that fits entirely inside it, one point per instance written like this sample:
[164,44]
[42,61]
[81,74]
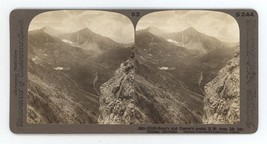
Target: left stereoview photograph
[73,55]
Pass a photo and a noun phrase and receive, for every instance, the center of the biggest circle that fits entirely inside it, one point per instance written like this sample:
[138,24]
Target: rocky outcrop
[131,98]
[117,97]
[222,95]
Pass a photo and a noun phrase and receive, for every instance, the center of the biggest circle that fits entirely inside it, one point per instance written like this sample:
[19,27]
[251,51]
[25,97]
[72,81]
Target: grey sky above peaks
[109,24]
[217,24]
[119,28]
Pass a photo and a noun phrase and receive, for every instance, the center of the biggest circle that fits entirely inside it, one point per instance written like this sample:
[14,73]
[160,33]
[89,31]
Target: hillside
[64,77]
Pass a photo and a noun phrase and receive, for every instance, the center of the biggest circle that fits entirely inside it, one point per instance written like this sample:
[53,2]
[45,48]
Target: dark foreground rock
[128,98]
[222,100]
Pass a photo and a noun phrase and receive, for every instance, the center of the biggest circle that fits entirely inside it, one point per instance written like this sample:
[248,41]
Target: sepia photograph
[123,71]
[187,67]
[129,72]
[93,67]
[71,56]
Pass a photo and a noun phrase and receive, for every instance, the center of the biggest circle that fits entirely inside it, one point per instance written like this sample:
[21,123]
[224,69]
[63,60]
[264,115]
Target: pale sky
[109,24]
[217,24]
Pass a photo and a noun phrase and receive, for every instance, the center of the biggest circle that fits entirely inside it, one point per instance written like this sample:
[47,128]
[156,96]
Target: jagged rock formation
[117,97]
[128,98]
[222,100]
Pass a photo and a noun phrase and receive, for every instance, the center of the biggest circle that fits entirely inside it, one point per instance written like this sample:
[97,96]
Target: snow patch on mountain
[69,42]
[164,68]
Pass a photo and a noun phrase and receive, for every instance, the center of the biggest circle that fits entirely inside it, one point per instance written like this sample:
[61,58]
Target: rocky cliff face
[128,98]
[117,104]
[222,95]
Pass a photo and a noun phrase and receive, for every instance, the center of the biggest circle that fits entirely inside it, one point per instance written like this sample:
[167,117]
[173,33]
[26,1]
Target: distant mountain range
[186,55]
[190,38]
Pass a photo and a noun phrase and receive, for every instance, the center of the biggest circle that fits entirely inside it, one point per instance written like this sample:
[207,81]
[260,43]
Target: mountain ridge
[185,64]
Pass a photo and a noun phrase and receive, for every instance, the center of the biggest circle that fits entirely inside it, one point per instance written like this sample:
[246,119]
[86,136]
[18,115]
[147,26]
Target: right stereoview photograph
[187,67]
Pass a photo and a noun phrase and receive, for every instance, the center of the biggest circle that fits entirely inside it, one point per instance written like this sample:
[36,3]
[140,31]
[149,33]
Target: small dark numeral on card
[244,14]
[135,14]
